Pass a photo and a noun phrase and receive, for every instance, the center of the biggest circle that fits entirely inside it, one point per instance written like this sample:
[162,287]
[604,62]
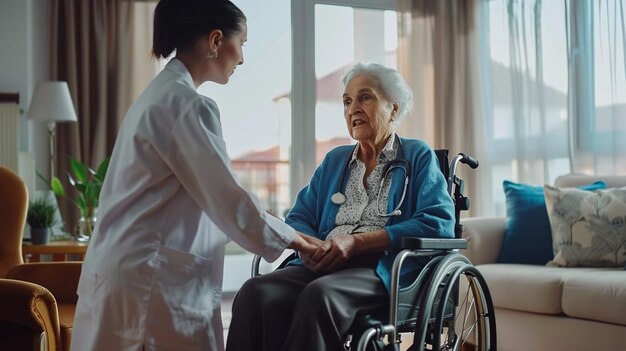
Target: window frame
[581,92]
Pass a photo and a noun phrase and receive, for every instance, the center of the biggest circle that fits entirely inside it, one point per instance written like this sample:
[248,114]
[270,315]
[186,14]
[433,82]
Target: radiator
[9,135]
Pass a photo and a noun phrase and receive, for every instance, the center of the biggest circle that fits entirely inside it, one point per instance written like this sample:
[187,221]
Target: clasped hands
[325,256]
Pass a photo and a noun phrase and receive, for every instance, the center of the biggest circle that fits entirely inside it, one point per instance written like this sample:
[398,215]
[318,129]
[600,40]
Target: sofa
[540,307]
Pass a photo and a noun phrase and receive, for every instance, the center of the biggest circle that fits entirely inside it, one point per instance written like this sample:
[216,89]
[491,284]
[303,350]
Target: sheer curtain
[439,53]
[535,89]
[557,93]
[94,48]
[599,126]
[526,113]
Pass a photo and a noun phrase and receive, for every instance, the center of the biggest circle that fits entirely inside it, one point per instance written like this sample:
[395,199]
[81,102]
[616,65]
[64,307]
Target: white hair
[391,83]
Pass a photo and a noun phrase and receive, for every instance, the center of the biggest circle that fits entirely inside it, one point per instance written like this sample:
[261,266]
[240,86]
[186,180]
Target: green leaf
[41,213]
[97,182]
[80,170]
[91,192]
[80,187]
[57,187]
[82,204]
[88,184]
[102,169]
[97,197]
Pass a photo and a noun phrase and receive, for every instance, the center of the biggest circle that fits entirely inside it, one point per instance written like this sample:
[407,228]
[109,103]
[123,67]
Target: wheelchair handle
[463,158]
[469,160]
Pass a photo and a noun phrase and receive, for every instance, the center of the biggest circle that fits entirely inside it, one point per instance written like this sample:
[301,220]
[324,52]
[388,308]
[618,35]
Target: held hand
[339,250]
[322,247]
[305,244]
[311,239]
[309,259]
[308,262]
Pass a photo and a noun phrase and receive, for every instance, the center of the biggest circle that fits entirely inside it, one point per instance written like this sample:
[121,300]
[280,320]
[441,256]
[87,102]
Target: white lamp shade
[52,103]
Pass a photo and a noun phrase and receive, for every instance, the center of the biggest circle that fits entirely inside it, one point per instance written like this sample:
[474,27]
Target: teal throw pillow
[528,238]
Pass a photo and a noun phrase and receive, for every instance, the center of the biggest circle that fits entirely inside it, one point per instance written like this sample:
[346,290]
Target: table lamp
[52,103]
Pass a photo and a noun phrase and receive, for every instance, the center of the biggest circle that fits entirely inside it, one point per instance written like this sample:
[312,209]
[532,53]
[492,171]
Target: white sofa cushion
[525,287]
[590,293]
[522,331]
[598,294]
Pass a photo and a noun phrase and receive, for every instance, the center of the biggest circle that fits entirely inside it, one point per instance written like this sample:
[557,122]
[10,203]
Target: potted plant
[88,183]
[40,218]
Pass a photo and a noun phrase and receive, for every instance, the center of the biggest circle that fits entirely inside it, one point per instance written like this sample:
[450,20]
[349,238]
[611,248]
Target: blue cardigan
[427,210]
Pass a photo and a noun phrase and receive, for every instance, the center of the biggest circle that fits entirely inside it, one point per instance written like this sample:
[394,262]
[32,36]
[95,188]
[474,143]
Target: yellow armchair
[37,300]
[13,209]
[60,280]
[28,318]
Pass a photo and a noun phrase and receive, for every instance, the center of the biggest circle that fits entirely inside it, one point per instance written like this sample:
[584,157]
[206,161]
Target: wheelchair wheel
[458,310]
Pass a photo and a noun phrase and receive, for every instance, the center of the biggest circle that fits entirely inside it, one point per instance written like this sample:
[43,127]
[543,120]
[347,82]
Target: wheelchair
[447,307]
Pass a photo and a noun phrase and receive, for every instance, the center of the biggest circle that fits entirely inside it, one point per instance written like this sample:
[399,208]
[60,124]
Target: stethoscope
[339,198]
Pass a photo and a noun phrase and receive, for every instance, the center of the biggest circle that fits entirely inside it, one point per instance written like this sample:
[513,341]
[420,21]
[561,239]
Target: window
[254,105]
[558,91]
[256,119]
[602,132]
[527,119]
[330,36]
[345,35]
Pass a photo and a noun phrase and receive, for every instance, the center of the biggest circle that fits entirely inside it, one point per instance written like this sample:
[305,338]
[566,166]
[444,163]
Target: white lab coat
[152,275]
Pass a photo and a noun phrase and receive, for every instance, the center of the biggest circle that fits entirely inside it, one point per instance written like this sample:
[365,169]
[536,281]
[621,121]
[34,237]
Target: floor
[227,304]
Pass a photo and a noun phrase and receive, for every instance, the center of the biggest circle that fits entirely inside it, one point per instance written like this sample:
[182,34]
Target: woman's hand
[336,251]
[308,261]
[307,257]
[306,244]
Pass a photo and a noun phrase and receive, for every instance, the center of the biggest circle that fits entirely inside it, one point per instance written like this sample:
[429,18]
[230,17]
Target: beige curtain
[439,53]
[93,48]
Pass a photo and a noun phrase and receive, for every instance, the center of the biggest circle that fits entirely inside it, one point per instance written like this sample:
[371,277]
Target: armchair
[37,300]
[13,209]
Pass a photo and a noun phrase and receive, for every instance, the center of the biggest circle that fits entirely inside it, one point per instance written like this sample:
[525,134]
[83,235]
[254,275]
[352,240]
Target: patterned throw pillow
[588,227]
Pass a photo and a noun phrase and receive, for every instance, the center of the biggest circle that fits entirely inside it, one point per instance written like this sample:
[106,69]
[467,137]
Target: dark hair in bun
[179,23]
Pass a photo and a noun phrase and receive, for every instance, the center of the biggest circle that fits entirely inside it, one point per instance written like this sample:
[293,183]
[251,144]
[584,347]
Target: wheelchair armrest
[287,256]
[432,244]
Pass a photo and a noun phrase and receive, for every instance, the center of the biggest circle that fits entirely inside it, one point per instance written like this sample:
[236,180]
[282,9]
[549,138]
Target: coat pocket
[181,305]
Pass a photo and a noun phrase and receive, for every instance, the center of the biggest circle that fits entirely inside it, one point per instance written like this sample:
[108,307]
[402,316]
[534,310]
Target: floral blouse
[359,213]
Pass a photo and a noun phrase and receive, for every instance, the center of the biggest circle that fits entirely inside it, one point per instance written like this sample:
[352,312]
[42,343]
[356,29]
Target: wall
[24,61]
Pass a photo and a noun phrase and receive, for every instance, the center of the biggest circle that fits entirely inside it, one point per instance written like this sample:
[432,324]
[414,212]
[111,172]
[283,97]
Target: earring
[211,55]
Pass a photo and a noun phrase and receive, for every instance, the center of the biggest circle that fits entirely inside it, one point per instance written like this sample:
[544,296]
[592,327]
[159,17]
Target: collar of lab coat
[179,67]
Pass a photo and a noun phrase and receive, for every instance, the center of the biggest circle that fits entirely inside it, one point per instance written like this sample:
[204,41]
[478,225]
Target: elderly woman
[362,200]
